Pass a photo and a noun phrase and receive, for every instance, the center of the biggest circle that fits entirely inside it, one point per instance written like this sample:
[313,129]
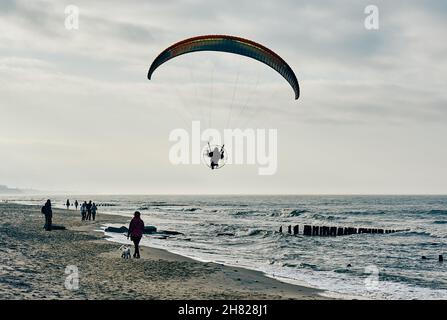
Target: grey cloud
[351,79]
[6,6]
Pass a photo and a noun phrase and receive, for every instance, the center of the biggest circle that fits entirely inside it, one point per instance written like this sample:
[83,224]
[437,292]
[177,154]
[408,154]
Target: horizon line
[60,193]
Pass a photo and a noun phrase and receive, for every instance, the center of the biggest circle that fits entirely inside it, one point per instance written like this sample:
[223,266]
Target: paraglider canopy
[230,44]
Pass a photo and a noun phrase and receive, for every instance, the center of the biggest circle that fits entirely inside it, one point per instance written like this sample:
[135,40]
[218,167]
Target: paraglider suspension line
[234,94]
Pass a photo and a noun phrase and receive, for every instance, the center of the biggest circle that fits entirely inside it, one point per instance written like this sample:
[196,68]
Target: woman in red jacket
[136,228]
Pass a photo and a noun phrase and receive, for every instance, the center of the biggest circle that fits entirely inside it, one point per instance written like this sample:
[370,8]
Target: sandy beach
[33,264]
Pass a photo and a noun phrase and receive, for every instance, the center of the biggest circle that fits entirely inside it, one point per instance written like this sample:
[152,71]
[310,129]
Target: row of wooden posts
[309,230]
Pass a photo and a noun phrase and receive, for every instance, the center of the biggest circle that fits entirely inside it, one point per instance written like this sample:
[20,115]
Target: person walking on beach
[46,210]
[84,210]
[89,210]
[76,204]
[94,210]
[136,228]
[68,204]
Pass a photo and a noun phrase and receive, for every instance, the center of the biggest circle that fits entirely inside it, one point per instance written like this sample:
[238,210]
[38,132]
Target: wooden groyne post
[307,230]
[296,230]
[333,231]
[325,231]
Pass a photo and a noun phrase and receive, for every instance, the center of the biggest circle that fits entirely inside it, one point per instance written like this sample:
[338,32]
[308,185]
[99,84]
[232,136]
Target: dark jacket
[136,227]
[46,210]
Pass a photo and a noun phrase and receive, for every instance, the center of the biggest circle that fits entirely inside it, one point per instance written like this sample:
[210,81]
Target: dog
[125,252]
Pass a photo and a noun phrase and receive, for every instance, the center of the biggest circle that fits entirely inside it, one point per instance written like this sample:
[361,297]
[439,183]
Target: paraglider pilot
[215,156]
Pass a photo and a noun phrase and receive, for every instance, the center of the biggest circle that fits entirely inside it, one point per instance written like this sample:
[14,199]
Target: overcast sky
[77,112]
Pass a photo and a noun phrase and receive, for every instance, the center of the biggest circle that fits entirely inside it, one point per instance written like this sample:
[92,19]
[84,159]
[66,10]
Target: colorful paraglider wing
[229,44]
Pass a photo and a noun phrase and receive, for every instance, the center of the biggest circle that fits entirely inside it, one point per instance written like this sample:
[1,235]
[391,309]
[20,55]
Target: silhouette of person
[136,229]
[94,210]
[48,212]
[84,210]
[89,210]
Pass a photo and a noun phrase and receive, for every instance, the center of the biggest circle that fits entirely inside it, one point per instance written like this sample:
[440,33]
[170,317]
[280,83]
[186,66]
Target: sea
[243,231]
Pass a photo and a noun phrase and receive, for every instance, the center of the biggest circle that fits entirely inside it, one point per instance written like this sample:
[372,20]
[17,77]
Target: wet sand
[33,264]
